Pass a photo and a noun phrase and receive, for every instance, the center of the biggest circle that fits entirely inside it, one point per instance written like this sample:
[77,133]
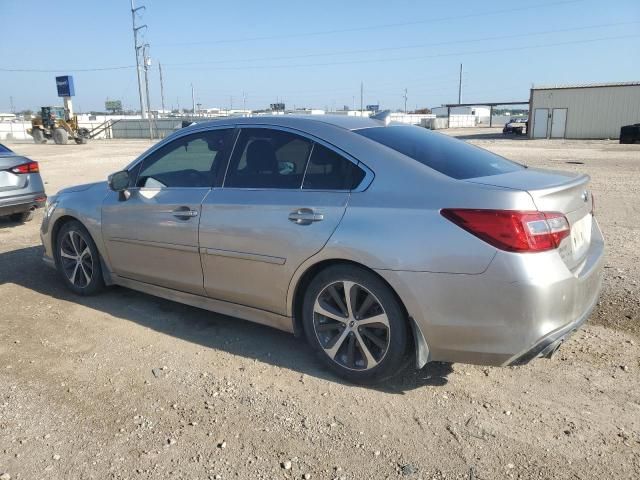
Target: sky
[313,54]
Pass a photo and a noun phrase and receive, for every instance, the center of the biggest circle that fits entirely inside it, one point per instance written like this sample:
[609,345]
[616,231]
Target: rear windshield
[454,158]
[4,149]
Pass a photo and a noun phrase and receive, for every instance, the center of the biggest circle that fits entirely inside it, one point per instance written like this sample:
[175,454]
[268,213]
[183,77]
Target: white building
[583,111]
[478,111]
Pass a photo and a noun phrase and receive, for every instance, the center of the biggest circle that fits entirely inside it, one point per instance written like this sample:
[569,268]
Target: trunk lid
[9,181]
[554,191]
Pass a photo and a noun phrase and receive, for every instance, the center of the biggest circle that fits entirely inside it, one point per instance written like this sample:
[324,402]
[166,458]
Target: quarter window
[191,161]
[265,158]
[328,170]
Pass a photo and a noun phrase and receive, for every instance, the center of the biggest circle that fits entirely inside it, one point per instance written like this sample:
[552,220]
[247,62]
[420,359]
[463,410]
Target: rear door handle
[184,213]
[305,216]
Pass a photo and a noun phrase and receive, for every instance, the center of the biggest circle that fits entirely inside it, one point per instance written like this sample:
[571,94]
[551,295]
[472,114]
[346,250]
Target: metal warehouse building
[583,111]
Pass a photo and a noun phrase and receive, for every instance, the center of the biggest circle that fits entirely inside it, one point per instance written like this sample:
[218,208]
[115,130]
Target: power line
[343,52]
[59,70]
[420,57]
[375,27]
[406,47]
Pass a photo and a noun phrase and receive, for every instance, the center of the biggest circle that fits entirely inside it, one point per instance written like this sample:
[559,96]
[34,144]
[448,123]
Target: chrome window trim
[175,136]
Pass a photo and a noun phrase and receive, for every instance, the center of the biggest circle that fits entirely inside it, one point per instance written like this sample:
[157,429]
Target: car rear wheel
[356,324]
[78,260]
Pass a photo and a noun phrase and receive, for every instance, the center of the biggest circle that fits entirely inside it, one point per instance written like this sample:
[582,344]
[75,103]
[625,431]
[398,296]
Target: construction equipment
[58,124]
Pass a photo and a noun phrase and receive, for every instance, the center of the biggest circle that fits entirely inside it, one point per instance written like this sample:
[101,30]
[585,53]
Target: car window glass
[452,157]
[266,158]
[191,161]
[328,170]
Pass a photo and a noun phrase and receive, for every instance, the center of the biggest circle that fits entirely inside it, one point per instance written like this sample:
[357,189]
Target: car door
[151,234]
[283,197]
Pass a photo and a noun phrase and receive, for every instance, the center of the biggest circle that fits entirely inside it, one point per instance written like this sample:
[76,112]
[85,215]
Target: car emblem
[585,195]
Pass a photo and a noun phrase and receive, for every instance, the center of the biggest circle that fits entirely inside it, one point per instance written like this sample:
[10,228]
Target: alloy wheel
[76,259]
[351,325]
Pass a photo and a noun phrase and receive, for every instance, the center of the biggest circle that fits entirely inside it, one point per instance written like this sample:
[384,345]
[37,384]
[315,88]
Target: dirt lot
[128,386]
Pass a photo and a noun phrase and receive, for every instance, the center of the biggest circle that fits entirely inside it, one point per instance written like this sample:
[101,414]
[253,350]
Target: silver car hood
[84,187]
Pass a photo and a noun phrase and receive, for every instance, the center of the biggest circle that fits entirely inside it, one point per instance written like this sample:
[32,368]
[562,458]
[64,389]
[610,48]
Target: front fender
[84,206]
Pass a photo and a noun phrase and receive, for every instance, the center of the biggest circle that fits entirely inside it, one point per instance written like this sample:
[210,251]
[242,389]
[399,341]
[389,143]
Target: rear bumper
[22,203]
[520,308]
[549,344]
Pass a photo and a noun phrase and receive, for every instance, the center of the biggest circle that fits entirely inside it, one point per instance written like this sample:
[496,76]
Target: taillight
[512,230]
[30,167]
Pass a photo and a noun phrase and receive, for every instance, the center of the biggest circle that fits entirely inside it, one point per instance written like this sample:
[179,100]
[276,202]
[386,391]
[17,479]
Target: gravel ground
[127,386]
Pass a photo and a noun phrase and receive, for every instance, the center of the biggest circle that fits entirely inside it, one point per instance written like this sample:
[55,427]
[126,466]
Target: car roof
[341,121]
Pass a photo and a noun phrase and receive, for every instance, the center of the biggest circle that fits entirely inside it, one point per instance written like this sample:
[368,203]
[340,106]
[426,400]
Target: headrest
[261,157]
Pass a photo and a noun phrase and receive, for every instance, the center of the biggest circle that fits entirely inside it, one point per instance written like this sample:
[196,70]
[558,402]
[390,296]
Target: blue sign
[65,86]
[373,108]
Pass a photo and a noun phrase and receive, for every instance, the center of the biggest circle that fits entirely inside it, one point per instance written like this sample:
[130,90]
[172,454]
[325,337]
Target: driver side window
[191,161]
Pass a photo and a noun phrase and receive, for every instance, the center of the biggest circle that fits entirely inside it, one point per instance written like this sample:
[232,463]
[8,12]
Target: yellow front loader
[55,123]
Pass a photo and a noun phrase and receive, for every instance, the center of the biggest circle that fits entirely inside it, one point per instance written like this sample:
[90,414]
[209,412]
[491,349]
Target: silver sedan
[378,243]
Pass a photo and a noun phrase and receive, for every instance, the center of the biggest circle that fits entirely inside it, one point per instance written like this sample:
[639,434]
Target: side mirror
[119,181]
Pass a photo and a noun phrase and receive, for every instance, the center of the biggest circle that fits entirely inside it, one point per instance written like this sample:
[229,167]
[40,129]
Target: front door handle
[184,213]
[305,216]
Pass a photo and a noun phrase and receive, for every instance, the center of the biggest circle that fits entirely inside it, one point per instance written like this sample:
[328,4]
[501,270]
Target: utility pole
[405,100]
[460,86]
[13,109]
[161,87]
[244,102]
[193,101]
[361,98]
[146,63]
[136,49]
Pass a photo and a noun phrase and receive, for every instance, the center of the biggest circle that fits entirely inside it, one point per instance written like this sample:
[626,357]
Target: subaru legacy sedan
[378,243]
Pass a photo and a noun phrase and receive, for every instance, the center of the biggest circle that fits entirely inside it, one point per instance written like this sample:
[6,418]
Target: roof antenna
[384,116]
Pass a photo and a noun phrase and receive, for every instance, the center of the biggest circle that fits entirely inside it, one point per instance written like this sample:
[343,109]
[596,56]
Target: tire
[60,136]
[82,136]
[38,136]
[626,139]
[22,217]
[338,337]
[79,262]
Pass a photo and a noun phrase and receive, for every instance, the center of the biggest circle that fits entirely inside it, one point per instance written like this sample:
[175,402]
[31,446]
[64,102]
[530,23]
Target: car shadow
[6,222]
[24,267]
[490,136]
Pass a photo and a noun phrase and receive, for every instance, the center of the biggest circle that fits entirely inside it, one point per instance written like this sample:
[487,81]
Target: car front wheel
[356,324]
[78,260]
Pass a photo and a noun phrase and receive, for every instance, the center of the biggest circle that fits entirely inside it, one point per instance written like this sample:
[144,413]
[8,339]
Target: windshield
[447,155]
[4,149]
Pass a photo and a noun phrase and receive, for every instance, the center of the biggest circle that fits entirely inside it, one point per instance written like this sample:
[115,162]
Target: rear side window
[447,155]
[267,158]
[327,170]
